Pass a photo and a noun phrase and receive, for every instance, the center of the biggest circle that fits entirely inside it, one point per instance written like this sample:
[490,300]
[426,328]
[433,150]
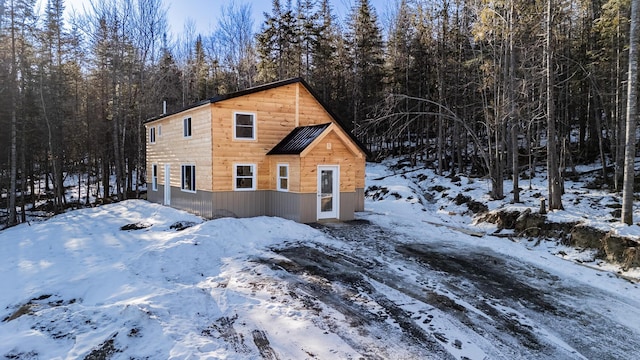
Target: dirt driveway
[409,299]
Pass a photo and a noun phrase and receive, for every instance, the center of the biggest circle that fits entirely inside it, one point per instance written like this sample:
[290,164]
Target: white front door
[328,192]
[167,184]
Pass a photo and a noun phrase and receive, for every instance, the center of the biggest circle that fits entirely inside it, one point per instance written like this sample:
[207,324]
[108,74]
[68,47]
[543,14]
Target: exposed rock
[181,225]
[474,206]
[631,257]
[136,226]
[615,247]
[586,237]
[529,223]
[503,219]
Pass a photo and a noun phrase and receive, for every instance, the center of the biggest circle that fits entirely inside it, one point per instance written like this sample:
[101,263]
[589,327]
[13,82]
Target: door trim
[334,213]
[167,184]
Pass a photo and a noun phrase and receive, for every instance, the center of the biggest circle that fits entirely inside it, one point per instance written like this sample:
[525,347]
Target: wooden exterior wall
[171,147]
[214,151]
[278,111]
[311,112]
[294,171]
[274,111]
[331,151]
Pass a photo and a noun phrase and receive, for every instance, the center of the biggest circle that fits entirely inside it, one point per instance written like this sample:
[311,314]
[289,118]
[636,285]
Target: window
[283,177]
[244,177]
[189,178]
[152,135]
[159,130]
[186,127]
[244,126]
[154,177]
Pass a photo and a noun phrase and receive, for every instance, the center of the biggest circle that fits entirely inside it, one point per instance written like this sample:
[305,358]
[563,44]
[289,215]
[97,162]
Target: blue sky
[205,12]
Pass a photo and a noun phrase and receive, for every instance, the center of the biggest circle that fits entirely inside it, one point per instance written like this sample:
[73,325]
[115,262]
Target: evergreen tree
[324,47]
[277,45]
[201,73]
[366,50]
[166,76]
[399,54]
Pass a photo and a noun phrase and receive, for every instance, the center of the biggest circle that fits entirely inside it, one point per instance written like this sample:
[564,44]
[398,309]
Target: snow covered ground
[399,283]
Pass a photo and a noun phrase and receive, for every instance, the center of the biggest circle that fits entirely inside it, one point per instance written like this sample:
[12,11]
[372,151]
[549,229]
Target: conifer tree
[366,49]
[277,44]
[324,47]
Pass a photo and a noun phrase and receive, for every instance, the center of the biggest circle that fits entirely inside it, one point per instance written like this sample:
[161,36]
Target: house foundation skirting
[299,207]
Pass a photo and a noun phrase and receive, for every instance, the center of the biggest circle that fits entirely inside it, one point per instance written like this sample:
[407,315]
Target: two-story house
[272,150]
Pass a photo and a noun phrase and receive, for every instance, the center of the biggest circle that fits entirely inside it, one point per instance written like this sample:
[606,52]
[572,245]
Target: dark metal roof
[298,140]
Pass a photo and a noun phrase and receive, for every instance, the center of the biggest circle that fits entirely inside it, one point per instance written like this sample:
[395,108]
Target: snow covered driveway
[124,281]
[404,297]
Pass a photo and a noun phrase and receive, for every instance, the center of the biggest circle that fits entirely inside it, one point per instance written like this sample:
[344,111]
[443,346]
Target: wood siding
[274,111]
[171,147]
[294,171]
[214,152]
[311,112]
[330,151]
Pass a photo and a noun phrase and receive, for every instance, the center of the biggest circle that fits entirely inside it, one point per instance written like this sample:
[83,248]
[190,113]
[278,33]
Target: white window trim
[182,178]
[184,127]
[278,177]
[152,135]
[254,177]
[154,177]
[255,126]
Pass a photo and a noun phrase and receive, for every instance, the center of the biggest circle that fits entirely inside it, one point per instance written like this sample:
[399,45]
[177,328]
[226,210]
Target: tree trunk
[553,172]
[512,111]
[632,104]
[13,220]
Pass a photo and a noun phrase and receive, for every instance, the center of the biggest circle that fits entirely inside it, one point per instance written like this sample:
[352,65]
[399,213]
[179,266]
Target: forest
[490,88]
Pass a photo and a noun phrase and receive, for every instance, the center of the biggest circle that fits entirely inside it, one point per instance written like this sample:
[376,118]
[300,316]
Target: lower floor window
[245,177]
[189,178]
[283,177]
[154,177]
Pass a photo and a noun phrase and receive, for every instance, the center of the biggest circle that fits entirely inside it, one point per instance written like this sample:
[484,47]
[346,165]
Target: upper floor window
[244,177]
[152,134]
[244,126]
[283,177]
[154,177]
[188,178]
[186,127]
[159,130]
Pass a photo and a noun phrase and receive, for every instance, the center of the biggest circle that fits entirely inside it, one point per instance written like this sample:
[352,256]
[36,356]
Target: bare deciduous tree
[632,116]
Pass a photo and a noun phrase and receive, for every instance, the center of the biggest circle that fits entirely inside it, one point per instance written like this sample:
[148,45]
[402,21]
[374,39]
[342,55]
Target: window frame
[152,135]
[279,177]
[253,177]
[254,126]
[187,127]
[183,168]
[154,177]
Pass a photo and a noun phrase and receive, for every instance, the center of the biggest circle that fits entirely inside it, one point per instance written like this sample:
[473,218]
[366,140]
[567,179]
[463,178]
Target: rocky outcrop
[586,237]
[612,247]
